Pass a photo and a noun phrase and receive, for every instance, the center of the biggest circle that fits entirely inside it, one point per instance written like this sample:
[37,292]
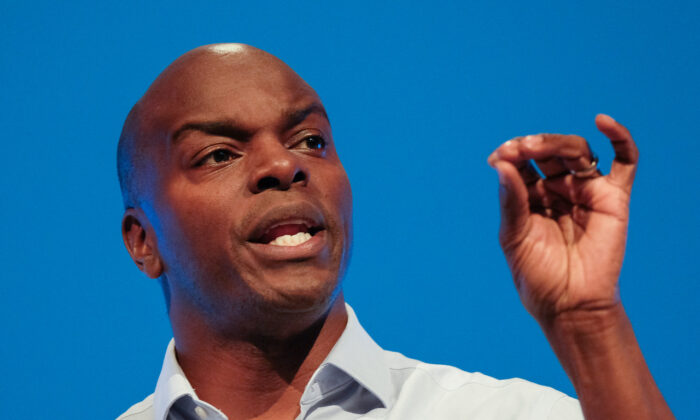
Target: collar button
[201,412]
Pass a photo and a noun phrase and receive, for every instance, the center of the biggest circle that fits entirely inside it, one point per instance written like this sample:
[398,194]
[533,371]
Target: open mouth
[288,233]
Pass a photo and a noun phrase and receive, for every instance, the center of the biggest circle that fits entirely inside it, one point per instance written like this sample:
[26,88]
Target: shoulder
[449,392]
[140,411]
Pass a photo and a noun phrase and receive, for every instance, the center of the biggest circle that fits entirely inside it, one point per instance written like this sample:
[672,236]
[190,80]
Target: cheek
[196,228]
[344,192]
[346,205]
[341,197]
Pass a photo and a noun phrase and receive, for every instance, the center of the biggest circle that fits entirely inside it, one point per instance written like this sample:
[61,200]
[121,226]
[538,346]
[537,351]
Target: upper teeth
[291,240]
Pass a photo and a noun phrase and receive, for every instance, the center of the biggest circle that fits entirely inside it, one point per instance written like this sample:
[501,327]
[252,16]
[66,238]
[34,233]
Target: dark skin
[564,240]
[237,142]
[233,152]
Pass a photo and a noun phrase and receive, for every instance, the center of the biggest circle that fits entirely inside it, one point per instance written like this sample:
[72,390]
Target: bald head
[227,145]
[190,83]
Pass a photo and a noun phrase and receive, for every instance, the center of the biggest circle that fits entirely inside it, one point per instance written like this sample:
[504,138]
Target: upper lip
[293,213]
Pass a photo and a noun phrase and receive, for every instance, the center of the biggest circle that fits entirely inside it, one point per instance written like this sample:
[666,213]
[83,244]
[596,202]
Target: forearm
[601,355]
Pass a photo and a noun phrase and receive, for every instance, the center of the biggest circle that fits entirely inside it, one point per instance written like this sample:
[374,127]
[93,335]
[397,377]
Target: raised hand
[564,234]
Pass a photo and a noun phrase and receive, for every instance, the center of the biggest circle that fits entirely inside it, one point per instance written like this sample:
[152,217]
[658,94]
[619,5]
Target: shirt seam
[134,413]
[470,382]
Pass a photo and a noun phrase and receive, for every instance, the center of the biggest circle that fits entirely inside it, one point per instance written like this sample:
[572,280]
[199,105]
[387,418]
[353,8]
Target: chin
[296,307]
[301,293]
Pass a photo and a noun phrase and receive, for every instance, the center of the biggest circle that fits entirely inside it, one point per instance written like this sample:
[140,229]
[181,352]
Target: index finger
[624,165]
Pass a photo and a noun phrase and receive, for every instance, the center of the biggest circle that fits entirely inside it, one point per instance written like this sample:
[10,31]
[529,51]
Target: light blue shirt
[360,380]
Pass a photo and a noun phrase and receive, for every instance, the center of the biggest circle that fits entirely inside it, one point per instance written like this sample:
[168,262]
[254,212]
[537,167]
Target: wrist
[599,352]
[589,341]
[590,323]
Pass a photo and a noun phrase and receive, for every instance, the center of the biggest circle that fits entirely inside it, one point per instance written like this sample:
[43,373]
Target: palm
[563,237]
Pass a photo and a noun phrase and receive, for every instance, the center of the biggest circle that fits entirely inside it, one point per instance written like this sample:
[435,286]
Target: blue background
[418,95]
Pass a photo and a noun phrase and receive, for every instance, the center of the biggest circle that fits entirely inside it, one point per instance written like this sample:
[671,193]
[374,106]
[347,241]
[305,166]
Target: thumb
[514,201]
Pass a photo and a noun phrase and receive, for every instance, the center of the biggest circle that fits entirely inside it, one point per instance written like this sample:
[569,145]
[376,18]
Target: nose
[275,168]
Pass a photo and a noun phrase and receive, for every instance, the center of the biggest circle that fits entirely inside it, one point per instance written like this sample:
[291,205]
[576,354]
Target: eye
[216,157]
[314,142]
[221,155]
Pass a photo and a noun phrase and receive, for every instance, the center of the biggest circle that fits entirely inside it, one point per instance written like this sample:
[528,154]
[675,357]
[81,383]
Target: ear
[141,243]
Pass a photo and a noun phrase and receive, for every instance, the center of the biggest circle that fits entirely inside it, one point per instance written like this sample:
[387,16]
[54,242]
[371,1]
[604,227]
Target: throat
[258,377]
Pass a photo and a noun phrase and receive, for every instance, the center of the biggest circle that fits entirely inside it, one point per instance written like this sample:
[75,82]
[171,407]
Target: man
[237,202]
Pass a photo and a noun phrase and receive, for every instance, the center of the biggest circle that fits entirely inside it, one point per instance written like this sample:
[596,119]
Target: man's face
[244,156]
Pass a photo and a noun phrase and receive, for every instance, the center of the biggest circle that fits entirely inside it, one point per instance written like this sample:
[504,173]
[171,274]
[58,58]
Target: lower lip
[308,249]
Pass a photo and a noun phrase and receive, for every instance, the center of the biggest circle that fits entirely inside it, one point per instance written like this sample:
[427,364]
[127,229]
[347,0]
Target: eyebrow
[224,128]
[230,128]
[297,116]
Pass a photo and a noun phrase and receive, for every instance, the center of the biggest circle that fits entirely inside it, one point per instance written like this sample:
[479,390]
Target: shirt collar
[172,384]
[355,354]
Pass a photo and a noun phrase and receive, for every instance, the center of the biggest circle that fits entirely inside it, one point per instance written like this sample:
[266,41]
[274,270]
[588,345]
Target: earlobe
[141,243]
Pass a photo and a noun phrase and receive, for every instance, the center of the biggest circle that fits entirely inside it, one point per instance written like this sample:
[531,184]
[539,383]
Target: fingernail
[607,116]
[531,141]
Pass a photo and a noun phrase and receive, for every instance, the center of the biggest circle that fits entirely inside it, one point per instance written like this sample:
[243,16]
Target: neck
[259,377]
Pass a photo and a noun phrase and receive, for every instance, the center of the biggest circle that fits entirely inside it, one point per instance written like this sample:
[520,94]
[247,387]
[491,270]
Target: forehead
[251,88]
